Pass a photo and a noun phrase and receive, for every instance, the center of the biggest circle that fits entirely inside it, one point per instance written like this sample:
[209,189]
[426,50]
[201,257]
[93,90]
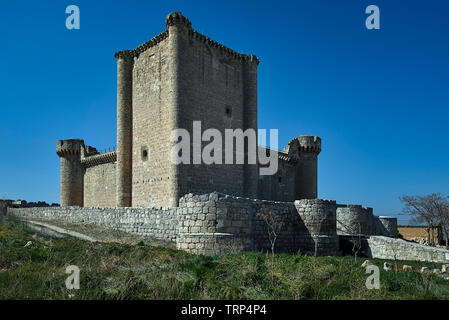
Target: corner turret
[306,179]
[175,18]
[72,172]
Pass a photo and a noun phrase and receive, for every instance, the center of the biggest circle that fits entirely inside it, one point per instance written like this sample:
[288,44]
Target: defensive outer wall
[215,223]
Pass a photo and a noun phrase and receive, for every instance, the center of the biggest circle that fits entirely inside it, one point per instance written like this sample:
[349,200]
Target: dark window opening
[228,112]
[144,154]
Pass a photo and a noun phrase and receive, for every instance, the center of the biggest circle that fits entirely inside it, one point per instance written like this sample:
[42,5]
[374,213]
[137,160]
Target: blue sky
[379,99]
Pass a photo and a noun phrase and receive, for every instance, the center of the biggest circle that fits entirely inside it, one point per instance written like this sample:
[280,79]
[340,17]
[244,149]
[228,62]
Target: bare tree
[424,209]
[357,242]
[317,237]
[356,236]
[274,224]
[441,207]
[395,255]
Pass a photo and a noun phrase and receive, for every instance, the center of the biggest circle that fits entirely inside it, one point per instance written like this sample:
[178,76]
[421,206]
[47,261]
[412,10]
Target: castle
[178,77]
[174,80]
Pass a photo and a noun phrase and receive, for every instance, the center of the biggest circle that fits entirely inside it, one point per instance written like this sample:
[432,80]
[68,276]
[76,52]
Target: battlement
[283,156]
[224,49]
[292,148]
[309,144]
[176,18]
[99,158]
[354,206]
[304,143]
[88,151]
[125,54]
[287,158]
[315,202]
[69,147]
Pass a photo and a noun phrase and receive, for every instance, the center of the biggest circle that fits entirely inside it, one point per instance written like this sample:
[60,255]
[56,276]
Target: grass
[140,271]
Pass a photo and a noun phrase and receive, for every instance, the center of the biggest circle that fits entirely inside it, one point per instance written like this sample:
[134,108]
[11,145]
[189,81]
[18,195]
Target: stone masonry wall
[385,226]
[354,219]
[154,115]
[206,228]
[181,76]
[100,185]
[320,233]
[217,223]
[387,248]
[220,90]
[214,223]
[279,186]
[161,224]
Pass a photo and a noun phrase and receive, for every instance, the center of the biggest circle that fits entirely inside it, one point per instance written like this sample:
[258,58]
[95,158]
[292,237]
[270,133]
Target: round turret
[125,65]
[175,18]
[124,54]
[306,179]
[386,226]
[354,220]
[72,172]
[69,147]
[309,144]
[320,232]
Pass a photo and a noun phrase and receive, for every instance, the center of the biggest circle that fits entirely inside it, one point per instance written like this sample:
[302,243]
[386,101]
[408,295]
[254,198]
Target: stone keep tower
[181,79]
[178,77]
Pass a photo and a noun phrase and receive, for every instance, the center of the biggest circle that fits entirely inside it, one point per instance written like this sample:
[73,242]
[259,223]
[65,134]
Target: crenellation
[99,158]
[310,144]
[69,147]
